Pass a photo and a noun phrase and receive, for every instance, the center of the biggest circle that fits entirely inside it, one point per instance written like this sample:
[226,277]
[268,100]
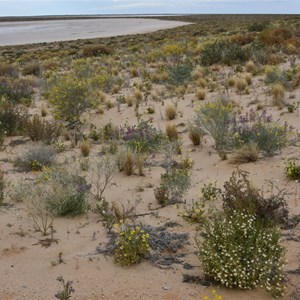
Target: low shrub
[224,52]
[36,158]
[8,70]
[42,130]
[13,119]
[240,195]
[239,251]
[96,50]
[179,74]
[32,68]
[67,192]
[131,244]
[142,138]
[270,136]
[16,91]
[292,170]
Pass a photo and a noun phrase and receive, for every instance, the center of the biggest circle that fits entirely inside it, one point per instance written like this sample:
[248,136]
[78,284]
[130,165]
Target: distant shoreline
[54,30]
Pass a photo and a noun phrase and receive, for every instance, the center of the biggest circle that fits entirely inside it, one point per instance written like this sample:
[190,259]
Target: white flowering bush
[239,251]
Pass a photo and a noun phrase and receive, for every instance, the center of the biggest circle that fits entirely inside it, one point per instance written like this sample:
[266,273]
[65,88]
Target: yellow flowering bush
[131,245]
[215,296]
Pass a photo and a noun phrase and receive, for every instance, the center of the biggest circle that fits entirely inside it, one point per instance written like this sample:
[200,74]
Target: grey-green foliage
[215,119]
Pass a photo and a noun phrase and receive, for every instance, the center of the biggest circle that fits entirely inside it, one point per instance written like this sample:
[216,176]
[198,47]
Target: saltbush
[270,136]
[67,192]
[16,90]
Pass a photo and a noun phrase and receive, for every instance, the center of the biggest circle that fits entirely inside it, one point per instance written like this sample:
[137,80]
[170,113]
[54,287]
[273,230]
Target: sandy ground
[20,33]
[27,271]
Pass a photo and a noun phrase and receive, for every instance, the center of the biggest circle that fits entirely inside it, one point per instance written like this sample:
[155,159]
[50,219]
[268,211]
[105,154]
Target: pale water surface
[27,32]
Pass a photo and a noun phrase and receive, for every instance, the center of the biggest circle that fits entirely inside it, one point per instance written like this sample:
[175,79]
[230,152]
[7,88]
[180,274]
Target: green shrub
[131,245]
[179,74]
[215,119]
[36,158]
[239,251]
[223,51]
[8,70]
[293,170]
[67,194]
[16,90]
[70,97]
[270,136]
[32,68]
[13,118]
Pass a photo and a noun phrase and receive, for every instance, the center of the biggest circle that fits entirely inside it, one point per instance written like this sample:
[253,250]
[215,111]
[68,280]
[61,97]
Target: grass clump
[2,185]
[170,111]
[131,245]
[85,148]
[171,132]
[277,92]
[245,154]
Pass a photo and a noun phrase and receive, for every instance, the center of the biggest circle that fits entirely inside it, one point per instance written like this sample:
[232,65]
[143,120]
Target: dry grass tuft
[170,111]
[240,84]
[278,95]
[85,148]
[246,154]
[200,94]
[250,67]
[171,132]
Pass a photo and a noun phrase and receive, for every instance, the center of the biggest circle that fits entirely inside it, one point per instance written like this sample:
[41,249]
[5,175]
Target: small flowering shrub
[269,135]
[210,191]
[293,170]
[215,296]
[131,245]
[239,251]
[142,138]
[194,214]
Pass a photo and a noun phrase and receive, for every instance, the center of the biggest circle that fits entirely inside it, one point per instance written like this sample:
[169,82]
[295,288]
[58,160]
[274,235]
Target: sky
[70,7]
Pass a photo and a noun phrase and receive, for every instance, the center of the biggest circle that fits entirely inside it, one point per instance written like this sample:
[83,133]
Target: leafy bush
[67,192]
[13,118]
[223,51]
[270,136]
[179,73]
[239,251]
[70,96]
[215,118]
[32,68]
[8,70]
[293,170]
[131,245]
[42,130]
[35,158]
[175,184]
[16,90]
[240,195]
